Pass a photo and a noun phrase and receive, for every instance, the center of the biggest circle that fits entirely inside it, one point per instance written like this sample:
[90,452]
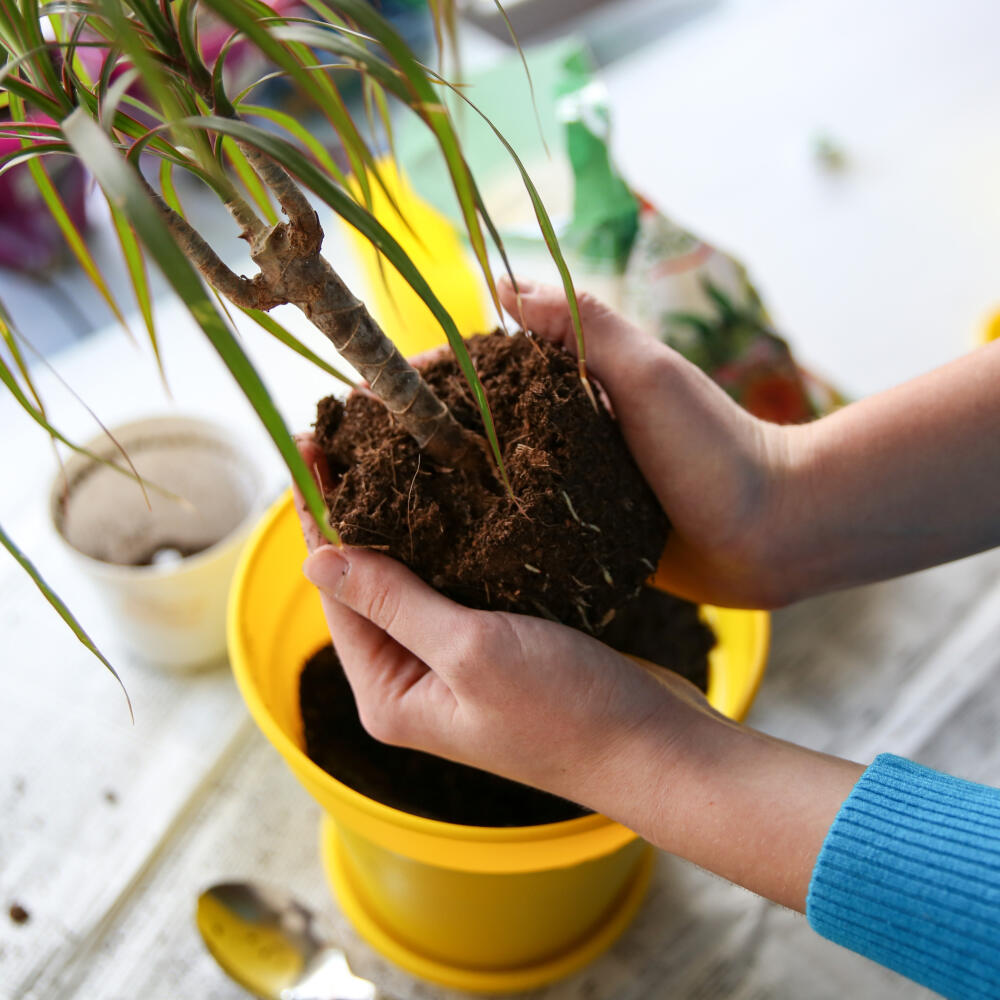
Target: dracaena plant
[134,91]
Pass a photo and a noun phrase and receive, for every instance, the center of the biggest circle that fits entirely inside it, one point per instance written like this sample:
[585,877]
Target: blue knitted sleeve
[909,875]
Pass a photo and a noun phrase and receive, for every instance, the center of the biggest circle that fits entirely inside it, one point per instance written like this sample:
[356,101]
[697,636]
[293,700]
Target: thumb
[389,596]
[613,345]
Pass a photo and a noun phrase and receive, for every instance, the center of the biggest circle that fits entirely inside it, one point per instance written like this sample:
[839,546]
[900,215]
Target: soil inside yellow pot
[659,628]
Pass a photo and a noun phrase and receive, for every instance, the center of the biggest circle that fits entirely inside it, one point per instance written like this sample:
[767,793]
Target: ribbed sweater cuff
[909,875]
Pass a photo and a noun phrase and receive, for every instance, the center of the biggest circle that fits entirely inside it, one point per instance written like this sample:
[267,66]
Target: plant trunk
[311,283]
[292,270]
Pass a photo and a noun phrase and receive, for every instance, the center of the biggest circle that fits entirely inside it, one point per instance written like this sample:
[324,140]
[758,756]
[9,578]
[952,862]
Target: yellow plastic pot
[991,329]
[474,908]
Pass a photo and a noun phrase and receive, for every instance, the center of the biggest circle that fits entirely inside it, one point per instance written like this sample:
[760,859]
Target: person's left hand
[519,696]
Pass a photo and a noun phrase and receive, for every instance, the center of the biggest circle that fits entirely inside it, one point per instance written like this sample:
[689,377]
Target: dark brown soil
[656,626]
[664,630]
[583,531]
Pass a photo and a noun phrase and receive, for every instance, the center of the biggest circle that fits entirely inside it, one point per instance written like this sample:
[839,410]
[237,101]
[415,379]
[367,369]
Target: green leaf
[298,131]
[7,334]
[136,264]
[174,102]
[251,182]
[548,234]
[167,190]
[74,237]
[276,330]
[527,73]
[123,189]
[249,18]
[185,17]
[427,102]
[56,601]
[8,379]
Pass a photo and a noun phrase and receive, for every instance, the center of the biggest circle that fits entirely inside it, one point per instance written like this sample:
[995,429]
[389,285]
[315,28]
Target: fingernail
[525,286]
[326,568]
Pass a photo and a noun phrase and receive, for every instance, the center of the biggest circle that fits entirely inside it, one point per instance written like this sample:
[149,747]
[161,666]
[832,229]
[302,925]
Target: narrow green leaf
[527,73]
[8,379]
[43,69]
[11,335]
[74,237]
[33,131]
[167,190]
[17,157]
[293,57]
[548,234]
[298,131]
[7,331]
[174,102]
[317,35]
[445,16]
[185,17]
[280,333]
[23,59]
[428,104]
[64,612]
[114,96]
[72,62]
[136,264]
[382,105]
[33,97]
[251,182]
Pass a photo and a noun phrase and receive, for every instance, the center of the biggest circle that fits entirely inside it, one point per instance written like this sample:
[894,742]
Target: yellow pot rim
[526,848]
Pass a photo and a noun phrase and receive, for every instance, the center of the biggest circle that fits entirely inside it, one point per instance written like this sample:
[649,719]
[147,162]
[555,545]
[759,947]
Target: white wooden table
[108,830]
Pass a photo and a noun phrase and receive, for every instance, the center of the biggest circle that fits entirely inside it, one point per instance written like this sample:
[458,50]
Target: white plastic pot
[162,559]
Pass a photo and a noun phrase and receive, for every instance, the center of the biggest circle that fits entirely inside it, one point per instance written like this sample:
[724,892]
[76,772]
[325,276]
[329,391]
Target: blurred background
[844,152]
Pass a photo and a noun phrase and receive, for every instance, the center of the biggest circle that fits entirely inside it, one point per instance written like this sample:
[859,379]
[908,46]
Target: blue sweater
[909,875]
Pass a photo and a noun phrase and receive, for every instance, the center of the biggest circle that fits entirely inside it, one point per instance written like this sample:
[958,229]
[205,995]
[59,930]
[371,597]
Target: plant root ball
[576,541]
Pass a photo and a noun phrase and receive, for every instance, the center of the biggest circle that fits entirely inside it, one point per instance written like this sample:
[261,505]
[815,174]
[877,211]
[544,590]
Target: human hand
[716,469]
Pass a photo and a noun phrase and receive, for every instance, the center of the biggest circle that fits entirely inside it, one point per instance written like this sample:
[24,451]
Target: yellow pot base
[522,978]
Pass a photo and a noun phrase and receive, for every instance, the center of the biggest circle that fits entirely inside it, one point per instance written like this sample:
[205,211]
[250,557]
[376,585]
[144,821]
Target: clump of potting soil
[582,531]
[662,629]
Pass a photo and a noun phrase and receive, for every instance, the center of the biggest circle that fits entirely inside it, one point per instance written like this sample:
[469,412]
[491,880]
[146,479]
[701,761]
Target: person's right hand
[716,470]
